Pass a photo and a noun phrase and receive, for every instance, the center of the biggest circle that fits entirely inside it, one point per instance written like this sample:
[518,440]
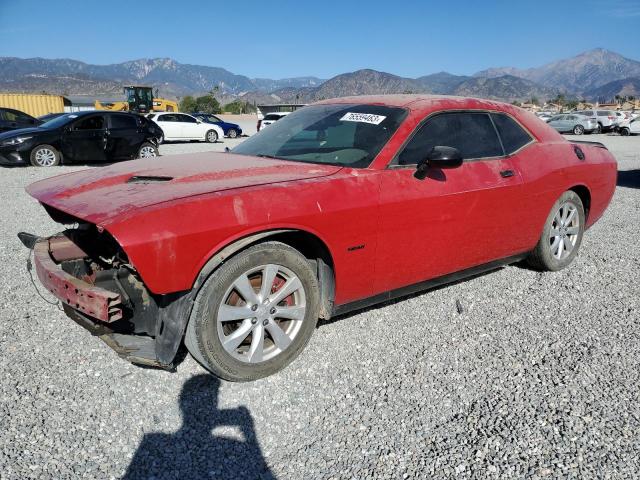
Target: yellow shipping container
[33,104]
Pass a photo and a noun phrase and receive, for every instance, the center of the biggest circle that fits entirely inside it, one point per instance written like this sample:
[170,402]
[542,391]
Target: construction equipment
[140,99]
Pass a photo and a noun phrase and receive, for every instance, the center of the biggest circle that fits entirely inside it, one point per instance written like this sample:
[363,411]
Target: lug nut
[272,311]
[265,322]
[254,321]
[254,307]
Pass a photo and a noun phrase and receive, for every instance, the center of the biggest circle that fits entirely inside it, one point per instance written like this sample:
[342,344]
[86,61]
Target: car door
[171,126]
[86,139]
[454,219]
[634,125]
[124,136]
[191,129]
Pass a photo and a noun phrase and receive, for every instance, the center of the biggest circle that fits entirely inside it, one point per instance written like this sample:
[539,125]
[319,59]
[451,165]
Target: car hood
[20,132]
[101,194]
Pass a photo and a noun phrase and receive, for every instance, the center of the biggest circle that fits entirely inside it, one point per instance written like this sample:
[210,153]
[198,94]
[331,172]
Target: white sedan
[180,126]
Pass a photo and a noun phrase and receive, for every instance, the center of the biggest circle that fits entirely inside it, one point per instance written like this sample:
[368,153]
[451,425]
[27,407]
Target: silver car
[573,123]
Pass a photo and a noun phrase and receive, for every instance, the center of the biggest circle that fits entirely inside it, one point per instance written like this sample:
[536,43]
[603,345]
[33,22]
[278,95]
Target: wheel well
[585,197]
[306,243]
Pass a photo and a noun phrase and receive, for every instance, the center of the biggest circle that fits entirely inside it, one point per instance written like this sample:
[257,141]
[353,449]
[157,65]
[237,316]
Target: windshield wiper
[273,157]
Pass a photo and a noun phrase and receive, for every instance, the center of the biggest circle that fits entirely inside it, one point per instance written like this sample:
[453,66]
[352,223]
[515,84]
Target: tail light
[259,123]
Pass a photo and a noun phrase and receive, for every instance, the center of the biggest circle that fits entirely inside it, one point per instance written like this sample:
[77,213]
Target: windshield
[59,121]
[349,135]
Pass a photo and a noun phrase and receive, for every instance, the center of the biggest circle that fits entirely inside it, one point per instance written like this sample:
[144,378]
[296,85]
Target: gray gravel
[509,375]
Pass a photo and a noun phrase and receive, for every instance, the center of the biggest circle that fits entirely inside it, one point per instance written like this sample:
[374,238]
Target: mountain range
[596,75]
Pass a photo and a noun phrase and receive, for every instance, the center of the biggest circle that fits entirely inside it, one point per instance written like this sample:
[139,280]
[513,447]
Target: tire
[148,150]
[625,132]
[598,128]
[160,139]
[211,136]
[550,254]
[45,156]
[232,133]
[578,130]
[219,298]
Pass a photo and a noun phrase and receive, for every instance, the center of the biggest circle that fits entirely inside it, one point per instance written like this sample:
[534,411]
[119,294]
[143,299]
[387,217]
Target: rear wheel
[148,150]
[45,156]
[599,128]
[562,234]
[255,314]
[625,132]
[211,136]
[232,133]
[578,130]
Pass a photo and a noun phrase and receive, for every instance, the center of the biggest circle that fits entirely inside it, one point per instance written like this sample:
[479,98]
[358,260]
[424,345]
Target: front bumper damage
[106,296]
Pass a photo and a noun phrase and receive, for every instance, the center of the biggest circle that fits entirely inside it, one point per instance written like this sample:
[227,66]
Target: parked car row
[588,121]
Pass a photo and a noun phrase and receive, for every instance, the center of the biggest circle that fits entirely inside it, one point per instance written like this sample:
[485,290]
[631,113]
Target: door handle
[506,173]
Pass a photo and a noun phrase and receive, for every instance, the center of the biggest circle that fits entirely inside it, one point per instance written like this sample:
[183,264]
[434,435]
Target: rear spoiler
[591,144]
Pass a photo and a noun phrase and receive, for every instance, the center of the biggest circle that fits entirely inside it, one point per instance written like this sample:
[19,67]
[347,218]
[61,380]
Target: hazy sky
[275,39]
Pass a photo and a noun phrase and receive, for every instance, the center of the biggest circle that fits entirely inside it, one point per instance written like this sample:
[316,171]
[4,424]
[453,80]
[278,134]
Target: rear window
[604,113]
[123,121]
[513,136]
[273,116]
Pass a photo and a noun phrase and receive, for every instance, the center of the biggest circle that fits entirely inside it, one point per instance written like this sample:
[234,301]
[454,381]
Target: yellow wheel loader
[140,100]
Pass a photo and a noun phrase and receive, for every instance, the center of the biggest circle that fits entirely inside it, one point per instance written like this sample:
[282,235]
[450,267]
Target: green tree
[188,104]
[238,106]
[207,104]
[535,101]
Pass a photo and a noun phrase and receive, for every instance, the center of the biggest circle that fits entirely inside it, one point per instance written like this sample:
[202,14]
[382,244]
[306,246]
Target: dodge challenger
[340,205]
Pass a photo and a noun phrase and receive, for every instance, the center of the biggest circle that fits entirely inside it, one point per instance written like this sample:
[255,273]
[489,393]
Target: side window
[472,134]
[123,121]
[167,118]
[603,113]
[16,116]
[90,123]
[513,136]
[186,119]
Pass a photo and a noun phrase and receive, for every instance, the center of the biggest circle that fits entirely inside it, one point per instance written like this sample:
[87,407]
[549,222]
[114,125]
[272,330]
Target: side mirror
[438,157]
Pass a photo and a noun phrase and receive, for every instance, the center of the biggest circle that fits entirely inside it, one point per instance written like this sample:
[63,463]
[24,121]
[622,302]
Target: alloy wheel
[147,152]
[261,313]
[564,232]
[45,157]
[212,136]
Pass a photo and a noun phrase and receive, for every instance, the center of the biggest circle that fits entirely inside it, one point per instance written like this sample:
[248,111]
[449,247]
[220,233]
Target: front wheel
[148,150]
[578,130]
[45,156]
[232,133]
[561,235]
[625,132]
[211,136]
[255,314]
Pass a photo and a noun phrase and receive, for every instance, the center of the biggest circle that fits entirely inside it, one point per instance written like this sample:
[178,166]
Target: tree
[238,106]
[207,104]
[188,104]
[572,104]
[535,101]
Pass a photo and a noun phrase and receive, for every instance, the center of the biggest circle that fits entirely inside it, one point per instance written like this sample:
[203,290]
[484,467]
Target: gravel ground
[512,374]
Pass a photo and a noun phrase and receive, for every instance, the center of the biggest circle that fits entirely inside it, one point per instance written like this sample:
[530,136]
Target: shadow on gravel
[194,451]
[628,178]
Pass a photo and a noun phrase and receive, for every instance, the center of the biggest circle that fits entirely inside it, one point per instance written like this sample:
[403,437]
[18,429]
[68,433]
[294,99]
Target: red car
[339,205]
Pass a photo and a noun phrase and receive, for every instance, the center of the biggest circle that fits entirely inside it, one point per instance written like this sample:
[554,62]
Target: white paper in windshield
[363,118]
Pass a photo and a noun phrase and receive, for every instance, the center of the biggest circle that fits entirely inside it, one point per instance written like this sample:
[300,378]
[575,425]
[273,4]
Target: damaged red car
[339,205]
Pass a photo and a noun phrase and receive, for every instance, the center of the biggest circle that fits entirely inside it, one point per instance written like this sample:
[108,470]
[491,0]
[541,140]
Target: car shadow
[195,452]
[628,178]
